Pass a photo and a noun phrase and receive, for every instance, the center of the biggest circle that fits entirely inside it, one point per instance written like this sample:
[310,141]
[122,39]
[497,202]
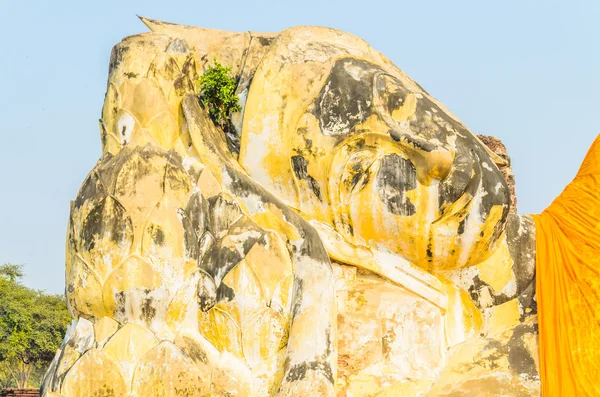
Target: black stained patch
[175,177]
[109,219]
[183,85]
[232,138]
[476,289]
[122,175]
[297,296]
[249,231]
[206,292]
[395,177]
[264,41]
[461,180]
[527,301]
[225,293]
[194,221]
[131,75]
[108,167]
[300,167]
[520,238]
[312,245]
[223,256]
[157,234]
[387,341]
[299,372]
[519,357]
[493,351]
[422,146]
[103,134]
[309,143]
[461,225]
[223,213]
[197,211]
[219,261]
[355,179]
[429,252]
[116,57]
[494,184]
[191,242]
[178,46]
[147,309]
[120,300]
[92,190]
[206,302]
[346,97]
[358,174]
[194,351]
[431,122]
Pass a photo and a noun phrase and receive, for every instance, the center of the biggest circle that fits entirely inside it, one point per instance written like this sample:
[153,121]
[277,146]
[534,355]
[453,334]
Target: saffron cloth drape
[568,285]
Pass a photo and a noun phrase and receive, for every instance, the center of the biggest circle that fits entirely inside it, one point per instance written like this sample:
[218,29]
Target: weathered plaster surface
[349,236]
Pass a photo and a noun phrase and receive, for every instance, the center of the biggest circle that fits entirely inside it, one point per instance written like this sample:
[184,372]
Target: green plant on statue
[217,94]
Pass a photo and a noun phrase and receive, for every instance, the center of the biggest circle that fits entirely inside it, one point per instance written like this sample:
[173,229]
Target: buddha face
[412,179]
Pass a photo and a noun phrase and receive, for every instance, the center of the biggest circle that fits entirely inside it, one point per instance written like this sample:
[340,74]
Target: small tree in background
[32,327]
[217,94]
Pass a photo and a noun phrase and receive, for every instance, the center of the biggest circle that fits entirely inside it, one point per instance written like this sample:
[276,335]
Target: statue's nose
[432,161]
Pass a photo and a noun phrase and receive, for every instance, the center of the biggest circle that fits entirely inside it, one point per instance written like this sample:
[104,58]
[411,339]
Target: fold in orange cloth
[568,285]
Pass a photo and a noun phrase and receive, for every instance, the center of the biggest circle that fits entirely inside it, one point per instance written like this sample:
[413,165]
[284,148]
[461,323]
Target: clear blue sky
[525,71]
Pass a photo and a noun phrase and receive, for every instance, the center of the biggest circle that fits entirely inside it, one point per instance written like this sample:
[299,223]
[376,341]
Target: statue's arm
[311,356]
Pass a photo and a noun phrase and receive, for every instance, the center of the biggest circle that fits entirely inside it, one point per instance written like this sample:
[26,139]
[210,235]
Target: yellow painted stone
[270,263]
[104,329]
[128,346]
[503,316]
[165,371]
[263,335]
[267,375]
[94,374]
[231,377]
[84,291]
[208,185]
[496,270]
[222,330]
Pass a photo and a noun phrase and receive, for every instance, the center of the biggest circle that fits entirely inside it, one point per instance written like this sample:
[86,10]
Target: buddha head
[349,140]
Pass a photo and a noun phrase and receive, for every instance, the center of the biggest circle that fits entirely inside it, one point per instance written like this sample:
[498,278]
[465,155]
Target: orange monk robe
[568,285]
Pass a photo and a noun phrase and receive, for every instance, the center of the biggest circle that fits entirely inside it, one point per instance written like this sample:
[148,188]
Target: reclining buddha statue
[346,236]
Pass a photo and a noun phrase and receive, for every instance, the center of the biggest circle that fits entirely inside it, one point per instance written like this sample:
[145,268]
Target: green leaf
[217,93]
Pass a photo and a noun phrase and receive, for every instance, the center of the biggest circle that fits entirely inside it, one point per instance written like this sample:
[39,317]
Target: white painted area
[498,187]
[125,127]
[510,289]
